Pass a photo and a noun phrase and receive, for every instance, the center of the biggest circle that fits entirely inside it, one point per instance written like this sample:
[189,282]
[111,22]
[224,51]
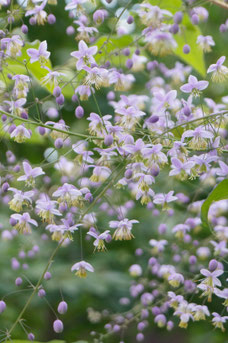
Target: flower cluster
[149,151]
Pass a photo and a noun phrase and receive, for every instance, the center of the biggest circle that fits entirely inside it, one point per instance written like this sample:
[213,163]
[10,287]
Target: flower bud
[70,30]
[31,337]
[41,293]
[57,91]
[128,174]
[58,326]
[178,16]
[60,100]
[47,276]
[51,19]
[79,112]
[18,281]
[174,29]
[213,264]
[2,306]
[222,28]
[111,95]
[130,19]
[58,143]
[140,337]
[108,140]
[129,63]
[186,49]
[24,29]
[5,187]
[195,19]
[98,16]
[62,308]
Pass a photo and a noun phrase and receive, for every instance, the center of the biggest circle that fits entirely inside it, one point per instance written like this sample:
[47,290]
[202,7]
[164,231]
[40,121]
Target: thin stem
[219,3]
[32,122]
[35,289]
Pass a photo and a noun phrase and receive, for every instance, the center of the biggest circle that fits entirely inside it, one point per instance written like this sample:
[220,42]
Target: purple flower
[99,239]
[81,268]
[220,72]
[30,174]
[84,55]
[23,221]
[194,86]
[20,134]
[40,55]
[123,229]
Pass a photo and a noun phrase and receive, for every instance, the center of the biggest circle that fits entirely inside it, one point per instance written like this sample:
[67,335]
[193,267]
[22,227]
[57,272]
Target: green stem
[219,3]
[35,289]
[32,122]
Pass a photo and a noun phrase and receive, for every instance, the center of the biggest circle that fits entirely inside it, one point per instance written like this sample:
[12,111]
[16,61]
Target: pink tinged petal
[80,64]
[221,60]
[211,68]
[113,224]
[22,178]
[205,272]
[218,272]
[207,134]
[32,221]
[177,163]
[192,79]
[43,47]
[82,46]
[27,168]
[92,50]
[202,85]
[187,88]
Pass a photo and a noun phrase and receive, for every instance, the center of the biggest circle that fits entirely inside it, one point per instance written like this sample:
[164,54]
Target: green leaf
[35,69]
[188,35]
[106,45]
[220,192]
[169,5]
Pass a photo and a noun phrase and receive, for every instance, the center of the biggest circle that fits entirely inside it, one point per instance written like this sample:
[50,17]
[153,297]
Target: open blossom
[123,229]
[164,199]
[46,209]
[165,101]
[38,13]
[40,55]
[99,239]
[219,320]
[158,246]
[81,268]
[68,193]
[20,134]
[152,15]
[21,85]
[23,222]
[175,279]
[205,42]
[84,55]
[199,137]
[20,199]
[218,70]
[181,169]
[13,45]
[194,86]
[209,283]
[223,170]
[16,107]
[30,174]
[75,5]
